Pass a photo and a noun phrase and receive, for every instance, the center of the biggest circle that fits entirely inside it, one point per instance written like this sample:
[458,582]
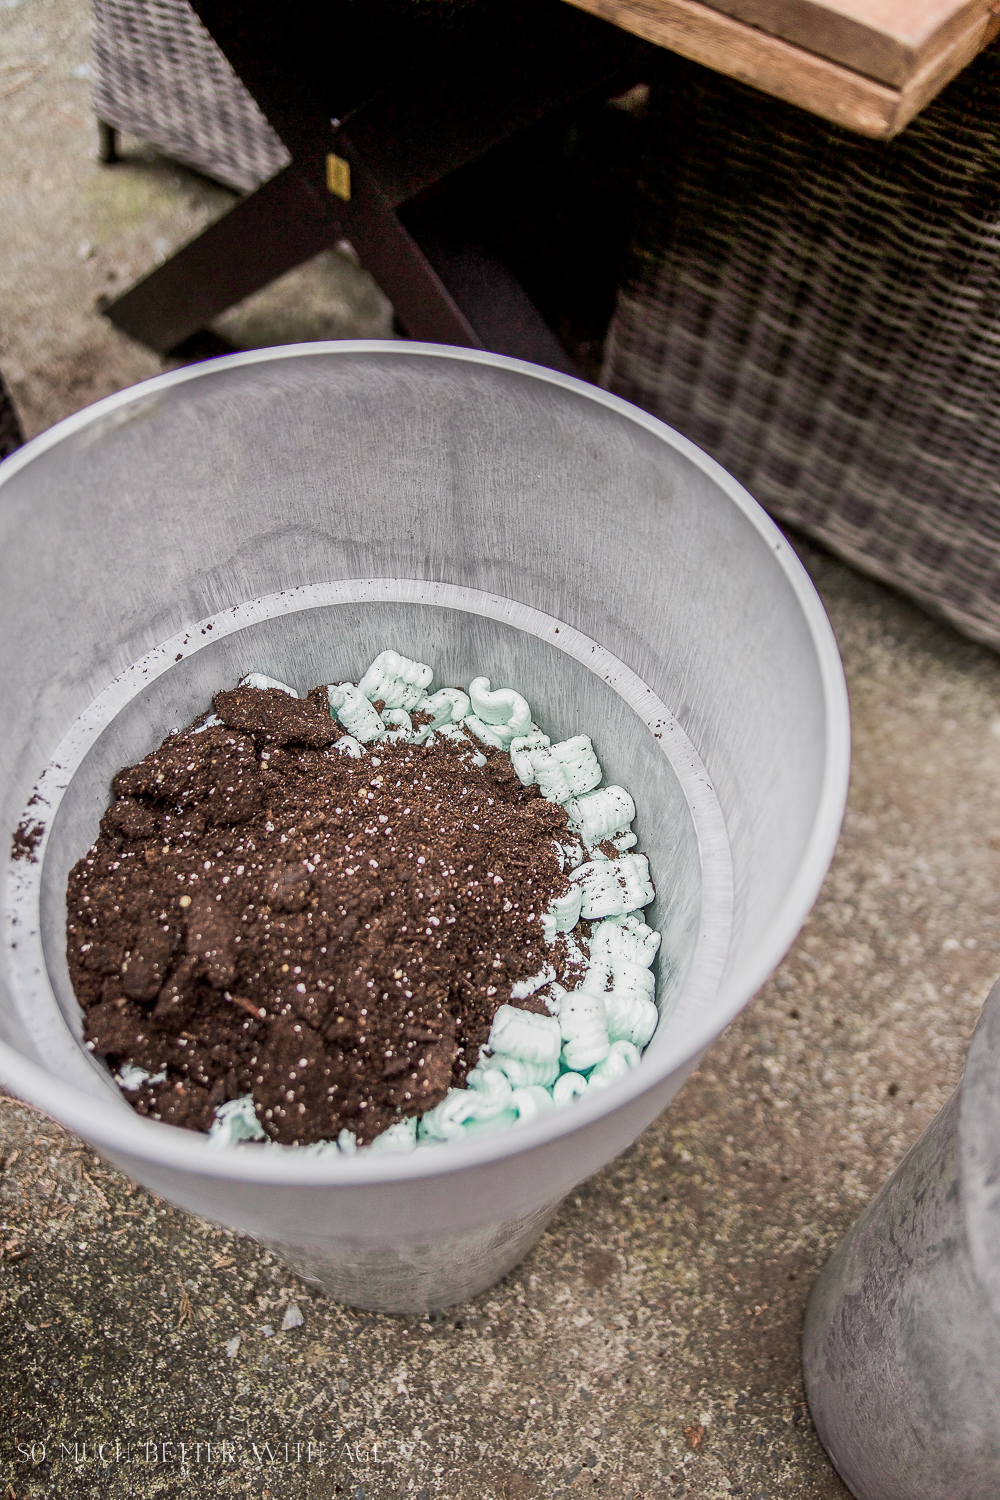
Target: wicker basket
[822,314]
[159,75]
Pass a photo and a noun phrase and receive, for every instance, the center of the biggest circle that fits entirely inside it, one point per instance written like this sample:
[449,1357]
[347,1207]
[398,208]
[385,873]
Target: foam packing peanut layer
[566,770]
[631,1017]
[583,1023]
[490,1081]
[531,1063]
[398,723]
[521,1033]
[624,940]
[396,680]
[621,1059]
[520,1074]
[401,1137]
[567,1087]
[236,1121]
[498,717]
[603,814]
[467,1112]
[532,1102]
[613,887]
[446,706]
[563,914]
[356,712]
[520,754]
[488,734]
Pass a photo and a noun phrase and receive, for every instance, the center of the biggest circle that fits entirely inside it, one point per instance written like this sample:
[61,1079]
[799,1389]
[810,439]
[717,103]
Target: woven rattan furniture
[158,74]
[817,311]
[822,314]
[418,88]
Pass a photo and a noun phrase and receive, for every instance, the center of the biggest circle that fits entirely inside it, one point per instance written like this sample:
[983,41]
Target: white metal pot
[295,511]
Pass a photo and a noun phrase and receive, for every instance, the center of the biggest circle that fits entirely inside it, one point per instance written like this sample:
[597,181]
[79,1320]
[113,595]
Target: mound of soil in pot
[264,914]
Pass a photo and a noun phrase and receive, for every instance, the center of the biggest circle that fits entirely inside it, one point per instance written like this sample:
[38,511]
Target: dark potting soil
[26,839]
[263,914]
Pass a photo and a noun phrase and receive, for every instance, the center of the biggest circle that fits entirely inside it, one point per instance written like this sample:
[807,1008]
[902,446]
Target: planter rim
[167,1146]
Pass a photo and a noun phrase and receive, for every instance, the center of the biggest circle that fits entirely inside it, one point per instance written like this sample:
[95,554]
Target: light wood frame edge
[789,72]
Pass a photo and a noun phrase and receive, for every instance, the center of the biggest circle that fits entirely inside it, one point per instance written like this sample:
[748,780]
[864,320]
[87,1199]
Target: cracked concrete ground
[649,1346]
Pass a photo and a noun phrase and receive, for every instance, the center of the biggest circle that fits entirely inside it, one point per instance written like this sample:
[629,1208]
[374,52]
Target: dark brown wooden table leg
[419,130]
[421,298]
[267,233]
[489,294]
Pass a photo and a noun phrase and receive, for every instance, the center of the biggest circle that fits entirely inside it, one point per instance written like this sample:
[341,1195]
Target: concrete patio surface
[649,1346]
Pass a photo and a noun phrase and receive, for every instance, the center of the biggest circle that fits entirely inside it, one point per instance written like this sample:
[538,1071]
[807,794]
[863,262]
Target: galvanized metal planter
[902,1337]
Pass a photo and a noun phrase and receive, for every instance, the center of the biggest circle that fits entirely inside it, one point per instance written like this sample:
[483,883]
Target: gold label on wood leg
[338,176]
